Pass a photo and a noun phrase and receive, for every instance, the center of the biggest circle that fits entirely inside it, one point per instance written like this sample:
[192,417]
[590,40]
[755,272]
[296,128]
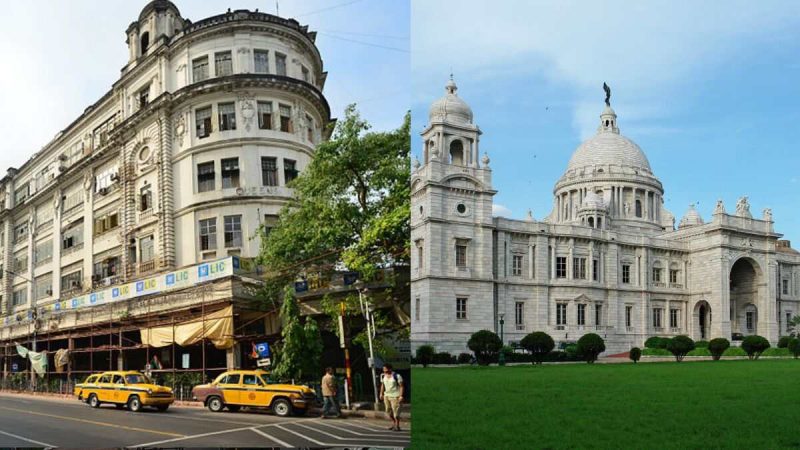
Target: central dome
[450,108]
[609,148]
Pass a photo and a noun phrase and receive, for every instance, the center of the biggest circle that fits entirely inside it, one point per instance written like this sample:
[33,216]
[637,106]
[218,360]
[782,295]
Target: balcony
[72,249]
[676,285]
[659,284]
[146,214]
[100,282]
[520,327]
[74,288]
[20,239]
[146,266]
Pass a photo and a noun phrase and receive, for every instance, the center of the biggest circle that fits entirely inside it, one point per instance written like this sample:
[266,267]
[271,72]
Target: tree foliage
[754,345]
[539,344]
[717,347]
[635,354]
[590,345]
[425,355]
[300,349]
[794,347]
[486,345]
[679,346]
[350,210]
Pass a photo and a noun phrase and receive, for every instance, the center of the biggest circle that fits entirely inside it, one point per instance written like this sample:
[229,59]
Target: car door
[230,386]
[119,394]
[104,388]
[252,392]
[264,393]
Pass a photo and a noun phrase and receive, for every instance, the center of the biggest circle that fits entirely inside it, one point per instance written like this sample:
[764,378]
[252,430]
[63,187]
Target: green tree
[425,355]
[590,345]
[717,347]
[794,324]
[539,344]
[754,345]
[794,347]
[351,209]
[486,345]
[291,358]
[312,355]
[635,354]
[679,346]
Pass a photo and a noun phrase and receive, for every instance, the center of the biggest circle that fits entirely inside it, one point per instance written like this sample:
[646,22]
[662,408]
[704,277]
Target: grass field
[723,404]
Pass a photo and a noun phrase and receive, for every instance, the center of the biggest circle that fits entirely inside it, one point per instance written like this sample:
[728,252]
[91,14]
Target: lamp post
[365,309]
[34,316]
[501,360]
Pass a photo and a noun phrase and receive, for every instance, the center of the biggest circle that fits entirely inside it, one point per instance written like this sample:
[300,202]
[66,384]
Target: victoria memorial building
[608,259]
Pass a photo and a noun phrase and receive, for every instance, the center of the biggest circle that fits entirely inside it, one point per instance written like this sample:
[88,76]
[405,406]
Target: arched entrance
[701,320]
[745,279]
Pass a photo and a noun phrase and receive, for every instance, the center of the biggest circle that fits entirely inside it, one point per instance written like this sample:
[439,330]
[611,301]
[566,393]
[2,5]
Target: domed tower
[612,168]
[159,18]
[691,218]
[451,137]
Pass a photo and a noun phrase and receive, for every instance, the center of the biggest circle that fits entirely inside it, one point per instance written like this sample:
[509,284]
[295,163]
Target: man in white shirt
[392,395]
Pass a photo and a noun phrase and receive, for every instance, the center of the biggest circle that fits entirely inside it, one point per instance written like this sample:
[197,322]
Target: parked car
[125,389]
[251,388]
[88,382]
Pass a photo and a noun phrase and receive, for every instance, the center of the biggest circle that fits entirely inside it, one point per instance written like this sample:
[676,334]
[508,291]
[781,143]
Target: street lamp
[365,309]
[501,360]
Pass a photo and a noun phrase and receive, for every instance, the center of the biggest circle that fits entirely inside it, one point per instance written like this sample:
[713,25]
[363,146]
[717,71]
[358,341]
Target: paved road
[46,422]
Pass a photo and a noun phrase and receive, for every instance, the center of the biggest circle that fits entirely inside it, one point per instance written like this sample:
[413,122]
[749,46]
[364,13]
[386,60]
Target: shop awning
[217,328]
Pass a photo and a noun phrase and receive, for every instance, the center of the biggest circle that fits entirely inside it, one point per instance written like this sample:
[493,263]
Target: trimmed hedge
[464,358]
[754,345]
[538,344]
[718,347]
[444,358]
[486,345]
[425,355]
[777,352]
[734,351]
[679,346]
[701,344]
[635,354]
[656,342]
[590,345]
[794,346]
[783,342]
[702,351]
[655,352]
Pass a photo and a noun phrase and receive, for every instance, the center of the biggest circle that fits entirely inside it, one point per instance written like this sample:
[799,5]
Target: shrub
[655,352]
[794,347]
[783,342]
[717,347]
[538,344]
[775,351]
[443,358]
[754,345]
[571,351]
[734,351]
[425,355]
[485,344]
[699,351]
[635,354]
[590,345]
[679,346]
[464,358]
[656,342]
[701,344]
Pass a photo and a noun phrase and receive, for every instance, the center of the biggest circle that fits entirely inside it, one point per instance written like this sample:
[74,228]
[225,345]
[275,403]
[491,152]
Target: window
[519,314]
[205,177]
[106,268]
[261,61]
[673,318]
[21,194]
[72,200]
[280,64]
[561,267]
[420,254]
[19,297]
[596,269]
[638,208]
[20,263]
[269,171]
[202,120]
[751,319]
[146,249]
[223,64]
[626,273]
[788,315]
[44,287]
[785,287]
[200,69]
[250,380]
[461,309]
[104,180]
[145,42]
[628,314]
[227,116]
[230,379]
[208,234]
[233,231]
[265,115]
[145,198]
[71,280]
[673,276]
[306,74]
[516,266]
[657,317]
[21,232]
[286,118]
[461,256]
[579,268]
[144,96]
[416,308]
[230,173]
[289,170]
[106,222]
[43,252]
[72,236]
[561,314]
[656,275]
[581,314]
[310,129]
[598,314]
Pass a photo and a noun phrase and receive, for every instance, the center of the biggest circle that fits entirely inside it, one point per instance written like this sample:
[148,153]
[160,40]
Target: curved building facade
[608,258]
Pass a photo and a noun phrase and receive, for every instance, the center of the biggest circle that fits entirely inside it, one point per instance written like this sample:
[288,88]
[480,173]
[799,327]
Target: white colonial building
[179,164]
[608,258]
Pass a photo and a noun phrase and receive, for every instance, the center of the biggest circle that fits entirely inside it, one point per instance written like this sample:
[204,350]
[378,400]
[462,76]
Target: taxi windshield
[137,379]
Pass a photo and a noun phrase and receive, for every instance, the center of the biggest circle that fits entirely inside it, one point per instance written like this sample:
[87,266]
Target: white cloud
[500,211]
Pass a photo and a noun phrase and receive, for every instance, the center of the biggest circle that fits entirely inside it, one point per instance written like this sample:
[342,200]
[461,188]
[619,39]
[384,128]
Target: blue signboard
[263,350]
[14,367]
[301,286]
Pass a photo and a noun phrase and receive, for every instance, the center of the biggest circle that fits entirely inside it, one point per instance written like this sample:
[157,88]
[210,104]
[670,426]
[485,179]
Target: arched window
[606,123]
[145,42]
[599,222]
[591,222]
[457,153]
[638,208]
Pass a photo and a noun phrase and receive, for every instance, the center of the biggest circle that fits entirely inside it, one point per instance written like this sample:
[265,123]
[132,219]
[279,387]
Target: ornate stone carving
[434,153]
[181,68]
[57,204]
[180,128]
[767,214]
[88,182]
[246,102]
[720,208]
[626,207]
[530,215]
[743,208]
[485,160]
[415,164]
[747,242]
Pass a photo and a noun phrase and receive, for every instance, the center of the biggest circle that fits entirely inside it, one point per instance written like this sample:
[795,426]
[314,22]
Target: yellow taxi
[124,389]
[89,381]
[237,388]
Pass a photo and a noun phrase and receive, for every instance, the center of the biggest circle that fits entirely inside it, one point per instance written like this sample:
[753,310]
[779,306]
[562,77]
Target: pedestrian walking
[329,394]
[392,395]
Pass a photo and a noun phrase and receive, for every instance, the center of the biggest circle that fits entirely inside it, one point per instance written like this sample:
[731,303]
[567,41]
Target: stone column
[56,276]
[166,191]
[531,261]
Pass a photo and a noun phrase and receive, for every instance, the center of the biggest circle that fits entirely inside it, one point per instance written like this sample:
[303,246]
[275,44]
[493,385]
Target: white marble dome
[691,218]
[608,148]
[450,108]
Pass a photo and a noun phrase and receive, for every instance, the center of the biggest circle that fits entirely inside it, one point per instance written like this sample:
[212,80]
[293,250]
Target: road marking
[26,439]
[93,422]
[214,433]
[348,438]
[280,442]
[321,444]
[368,428]
[375,434]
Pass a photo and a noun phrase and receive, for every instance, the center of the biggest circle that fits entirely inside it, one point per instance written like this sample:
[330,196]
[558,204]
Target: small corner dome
[158,6]
[593,201]
[450,108]
[691,218]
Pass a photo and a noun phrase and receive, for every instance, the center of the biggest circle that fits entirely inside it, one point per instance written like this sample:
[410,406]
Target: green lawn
[723,404]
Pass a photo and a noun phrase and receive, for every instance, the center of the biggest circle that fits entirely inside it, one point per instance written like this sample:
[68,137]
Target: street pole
[501,360]
[368,316]
[343,341]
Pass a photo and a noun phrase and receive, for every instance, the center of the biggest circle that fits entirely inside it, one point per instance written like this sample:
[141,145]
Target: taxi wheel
[281,407]
[215,404]
[134,404]
[93,401]
[233,408]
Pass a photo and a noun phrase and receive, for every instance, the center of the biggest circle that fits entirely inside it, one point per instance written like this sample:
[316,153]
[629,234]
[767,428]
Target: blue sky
[709,90]
[60,57]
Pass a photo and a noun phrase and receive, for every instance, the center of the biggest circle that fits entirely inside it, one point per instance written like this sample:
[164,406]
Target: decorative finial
[530,215]
[743,208]
[720,208]
[485,160]
[451,87]
[415,164]
[767,214]
[608,94]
